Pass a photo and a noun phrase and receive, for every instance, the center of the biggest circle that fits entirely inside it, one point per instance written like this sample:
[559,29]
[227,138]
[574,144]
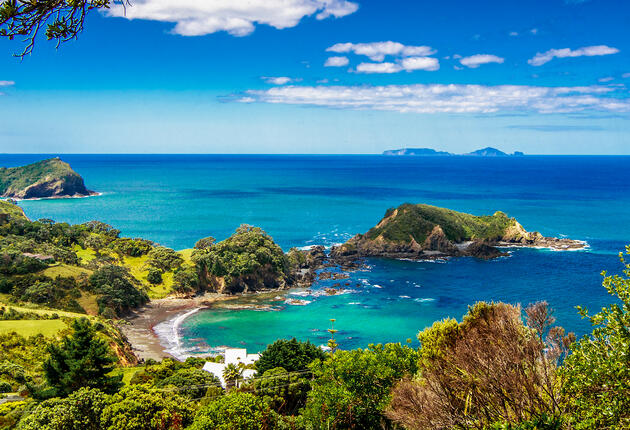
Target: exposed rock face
[427,232]
[437,241]
[483,250]
[44,179]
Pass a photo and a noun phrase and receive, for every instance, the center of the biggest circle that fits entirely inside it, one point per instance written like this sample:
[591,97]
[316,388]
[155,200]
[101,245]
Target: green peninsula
[424,231]
[44,179]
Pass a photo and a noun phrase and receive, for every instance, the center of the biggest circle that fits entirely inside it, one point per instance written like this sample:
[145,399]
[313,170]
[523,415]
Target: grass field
[40,310]
[29,328]
[127,373]
[88,302]
[66,271]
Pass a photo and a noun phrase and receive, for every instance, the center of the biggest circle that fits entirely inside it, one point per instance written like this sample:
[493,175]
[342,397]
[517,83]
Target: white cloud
[587,51]
[408,64]
[513,33]
[534,31]
[454,98]
[606,79]
[237,17]
[420,63]
[475,61]
[6,83]
[626,75]
[277,80]
[337,62]
[376,51]
[379,68]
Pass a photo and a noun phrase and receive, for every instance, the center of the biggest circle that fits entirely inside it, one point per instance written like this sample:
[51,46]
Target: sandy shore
[139,327]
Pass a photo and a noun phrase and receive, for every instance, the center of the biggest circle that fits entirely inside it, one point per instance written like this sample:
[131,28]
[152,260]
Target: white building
[234,356]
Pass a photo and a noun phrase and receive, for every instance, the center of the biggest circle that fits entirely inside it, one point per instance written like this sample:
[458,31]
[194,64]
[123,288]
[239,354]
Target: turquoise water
[306,200]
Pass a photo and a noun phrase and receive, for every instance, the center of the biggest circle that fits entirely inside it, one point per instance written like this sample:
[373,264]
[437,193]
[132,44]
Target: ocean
[316,199]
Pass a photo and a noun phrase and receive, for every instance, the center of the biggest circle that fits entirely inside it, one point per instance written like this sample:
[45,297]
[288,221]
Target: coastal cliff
[422,232]
[44,179]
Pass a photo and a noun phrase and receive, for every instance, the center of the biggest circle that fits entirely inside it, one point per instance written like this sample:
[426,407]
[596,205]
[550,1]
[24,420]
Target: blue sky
[327,76]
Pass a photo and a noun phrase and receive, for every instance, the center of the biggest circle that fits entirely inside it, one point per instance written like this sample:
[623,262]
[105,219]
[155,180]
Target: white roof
[232,356]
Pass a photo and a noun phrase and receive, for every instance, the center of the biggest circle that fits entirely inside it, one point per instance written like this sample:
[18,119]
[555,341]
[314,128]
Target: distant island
[484,152]
[419,231]
[50,178]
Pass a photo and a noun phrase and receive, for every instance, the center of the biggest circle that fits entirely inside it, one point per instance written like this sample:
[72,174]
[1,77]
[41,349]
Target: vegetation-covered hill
[47,178]
[416,230]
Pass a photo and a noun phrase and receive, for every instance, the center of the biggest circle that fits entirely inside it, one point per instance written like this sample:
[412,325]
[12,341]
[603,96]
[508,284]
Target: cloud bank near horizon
[445,98]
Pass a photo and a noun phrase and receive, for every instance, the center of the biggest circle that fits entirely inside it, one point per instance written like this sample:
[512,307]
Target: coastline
[152,330]
[92,194]
[139,327]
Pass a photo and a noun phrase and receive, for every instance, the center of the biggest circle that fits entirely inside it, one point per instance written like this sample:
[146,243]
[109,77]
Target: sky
[327,77]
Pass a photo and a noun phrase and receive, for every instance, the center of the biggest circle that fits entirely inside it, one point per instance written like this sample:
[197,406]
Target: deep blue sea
[307,200]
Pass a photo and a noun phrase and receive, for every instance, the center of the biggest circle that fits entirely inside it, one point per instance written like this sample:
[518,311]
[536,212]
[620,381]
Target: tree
[154,276]
[190,382]
[80,360]
[205,243]
[284,392]
[185,280]
[114,283]
[236,410]
[62,19]
[292,355]
[80,411]
[350,389]
[164,259]
[488,369]
[138,407]
[596,375]
[231,374]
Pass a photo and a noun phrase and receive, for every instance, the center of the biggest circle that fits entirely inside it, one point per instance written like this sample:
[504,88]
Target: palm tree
[231,374]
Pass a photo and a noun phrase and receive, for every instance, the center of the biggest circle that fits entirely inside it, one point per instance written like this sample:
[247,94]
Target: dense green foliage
[81,410]
[141,407]
[118,295]
[417,221]
[247,260]
[597,373]
[351,389]
[292,355]
[80,360]
[235,411]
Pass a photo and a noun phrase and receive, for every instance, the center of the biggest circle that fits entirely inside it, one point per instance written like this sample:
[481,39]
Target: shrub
[154,276]
[292,355]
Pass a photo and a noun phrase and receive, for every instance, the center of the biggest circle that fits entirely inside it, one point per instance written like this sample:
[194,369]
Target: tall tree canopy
[80,360]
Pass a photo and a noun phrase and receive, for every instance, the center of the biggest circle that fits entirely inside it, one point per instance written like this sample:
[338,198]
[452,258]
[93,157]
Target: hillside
[46,178]
[424,231]
[9,211]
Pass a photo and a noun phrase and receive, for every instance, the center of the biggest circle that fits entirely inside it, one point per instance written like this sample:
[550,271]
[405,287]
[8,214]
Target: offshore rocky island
[420,231]
[51,178]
